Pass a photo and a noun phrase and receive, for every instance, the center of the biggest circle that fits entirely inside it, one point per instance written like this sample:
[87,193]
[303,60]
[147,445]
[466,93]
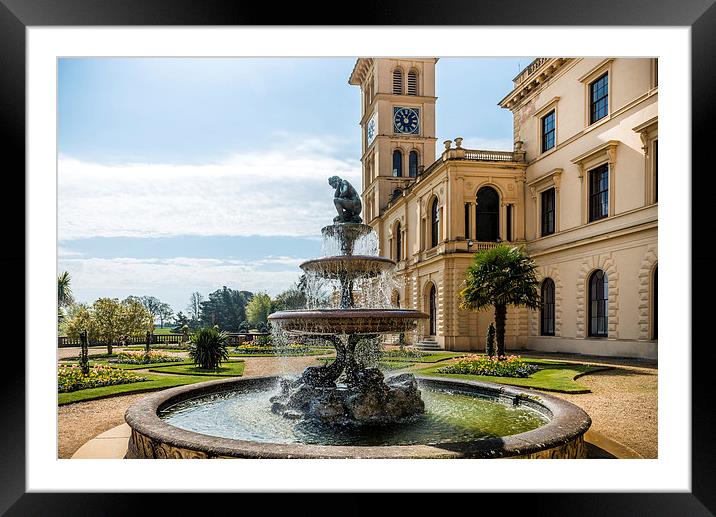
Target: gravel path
[622,405]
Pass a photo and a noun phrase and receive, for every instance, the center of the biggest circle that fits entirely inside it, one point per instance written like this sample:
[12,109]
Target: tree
[79,318]
[194,307]
[109,321]
[152,304]
[64,295]
[107,316]
[225,307]
[181,320]
[165,313]
[135,320]
[498,277]
[290,299]
[258,309]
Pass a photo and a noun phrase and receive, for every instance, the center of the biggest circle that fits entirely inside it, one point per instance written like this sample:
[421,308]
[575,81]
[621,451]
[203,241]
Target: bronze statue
[346,200]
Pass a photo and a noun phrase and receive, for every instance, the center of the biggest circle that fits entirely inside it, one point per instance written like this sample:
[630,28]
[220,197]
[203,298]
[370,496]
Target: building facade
[579,190]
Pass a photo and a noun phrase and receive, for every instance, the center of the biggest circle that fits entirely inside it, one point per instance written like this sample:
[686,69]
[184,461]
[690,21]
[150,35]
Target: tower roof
[360,70]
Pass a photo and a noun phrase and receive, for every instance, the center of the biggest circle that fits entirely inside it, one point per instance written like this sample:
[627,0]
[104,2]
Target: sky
[178,175]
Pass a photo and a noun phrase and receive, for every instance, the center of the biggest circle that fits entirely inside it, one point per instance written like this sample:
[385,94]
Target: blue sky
[181,175]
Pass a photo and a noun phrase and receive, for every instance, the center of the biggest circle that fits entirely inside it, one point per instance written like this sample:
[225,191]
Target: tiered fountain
[364,397]
[347,409]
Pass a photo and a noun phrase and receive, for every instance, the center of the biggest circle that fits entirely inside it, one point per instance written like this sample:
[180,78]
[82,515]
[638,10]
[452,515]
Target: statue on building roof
[346,200]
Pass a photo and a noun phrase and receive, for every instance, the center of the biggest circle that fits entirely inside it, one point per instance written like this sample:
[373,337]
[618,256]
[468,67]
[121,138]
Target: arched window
[412,82]
[395,299]
[488,215]
[398,81]
[398,243]
[547,315]
[655,307]
[413,164]
[397,163]
[434,224]
[433,308]
[598,304]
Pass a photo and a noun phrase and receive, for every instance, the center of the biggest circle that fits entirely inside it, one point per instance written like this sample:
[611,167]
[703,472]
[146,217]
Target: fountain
[347,409]
[364,397]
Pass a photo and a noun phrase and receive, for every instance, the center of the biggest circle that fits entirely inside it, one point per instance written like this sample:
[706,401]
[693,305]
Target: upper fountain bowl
[348,267]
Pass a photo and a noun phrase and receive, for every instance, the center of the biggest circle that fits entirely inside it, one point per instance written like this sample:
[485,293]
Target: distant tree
[244,327]
[290,299]
[225,307]
[194,307]
[180,320]
[152,304]
[258,309]
[165,313]
[498,277]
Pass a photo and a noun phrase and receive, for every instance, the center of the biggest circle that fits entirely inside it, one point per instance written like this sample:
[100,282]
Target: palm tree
[498,277]
[64,294]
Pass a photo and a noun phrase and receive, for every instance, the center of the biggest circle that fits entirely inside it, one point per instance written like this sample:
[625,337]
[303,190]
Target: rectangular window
[548,212]
[599,99]
[599,192]
[656,171]
[548,131]
[467,220]
[509,223]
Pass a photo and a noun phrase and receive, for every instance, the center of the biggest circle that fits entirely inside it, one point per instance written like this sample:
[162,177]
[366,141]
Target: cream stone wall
[624,244]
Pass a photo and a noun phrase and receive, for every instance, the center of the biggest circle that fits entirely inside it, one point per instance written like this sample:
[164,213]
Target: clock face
[406,120]
[371,128]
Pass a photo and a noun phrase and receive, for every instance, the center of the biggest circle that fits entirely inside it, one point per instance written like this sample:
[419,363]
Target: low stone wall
[561,437]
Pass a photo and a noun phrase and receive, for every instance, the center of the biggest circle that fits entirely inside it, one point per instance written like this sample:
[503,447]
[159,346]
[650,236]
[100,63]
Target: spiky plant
[208,348]
[498,277]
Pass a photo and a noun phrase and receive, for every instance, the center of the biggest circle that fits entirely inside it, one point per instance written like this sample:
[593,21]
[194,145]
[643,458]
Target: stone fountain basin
[349,267]
[347,321]
[561,437]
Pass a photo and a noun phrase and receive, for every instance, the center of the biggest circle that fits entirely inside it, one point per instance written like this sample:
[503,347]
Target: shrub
[144,358]
[512,366]
[71,378]
[490,340]
[208,348]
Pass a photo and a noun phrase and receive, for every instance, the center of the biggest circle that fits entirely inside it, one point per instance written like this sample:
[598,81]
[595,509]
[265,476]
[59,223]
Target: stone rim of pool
[561,437]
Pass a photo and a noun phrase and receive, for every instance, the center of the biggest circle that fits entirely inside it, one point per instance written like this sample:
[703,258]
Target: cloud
[273,193]
[174,279]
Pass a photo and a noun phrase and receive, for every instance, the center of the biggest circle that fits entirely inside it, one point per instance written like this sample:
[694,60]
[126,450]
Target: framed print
[566,169]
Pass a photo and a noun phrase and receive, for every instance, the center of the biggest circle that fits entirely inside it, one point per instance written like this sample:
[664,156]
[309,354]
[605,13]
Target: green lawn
[552,376]
[141,366]
[314,351]
[227,369]
[153,382]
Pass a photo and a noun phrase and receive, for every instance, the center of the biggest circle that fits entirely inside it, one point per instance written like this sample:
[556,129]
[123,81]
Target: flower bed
[512,366]
[408,353]
[144,358]
[71,378]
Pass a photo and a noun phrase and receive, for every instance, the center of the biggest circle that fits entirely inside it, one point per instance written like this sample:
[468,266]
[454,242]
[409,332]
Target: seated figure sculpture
[346,200]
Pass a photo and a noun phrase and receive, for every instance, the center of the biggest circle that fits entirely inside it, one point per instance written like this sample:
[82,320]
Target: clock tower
[397,126]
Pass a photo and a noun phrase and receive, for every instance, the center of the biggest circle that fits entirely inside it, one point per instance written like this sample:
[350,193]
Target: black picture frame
[16,15]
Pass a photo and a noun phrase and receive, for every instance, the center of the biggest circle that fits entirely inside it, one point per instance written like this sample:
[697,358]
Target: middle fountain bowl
[347,321]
